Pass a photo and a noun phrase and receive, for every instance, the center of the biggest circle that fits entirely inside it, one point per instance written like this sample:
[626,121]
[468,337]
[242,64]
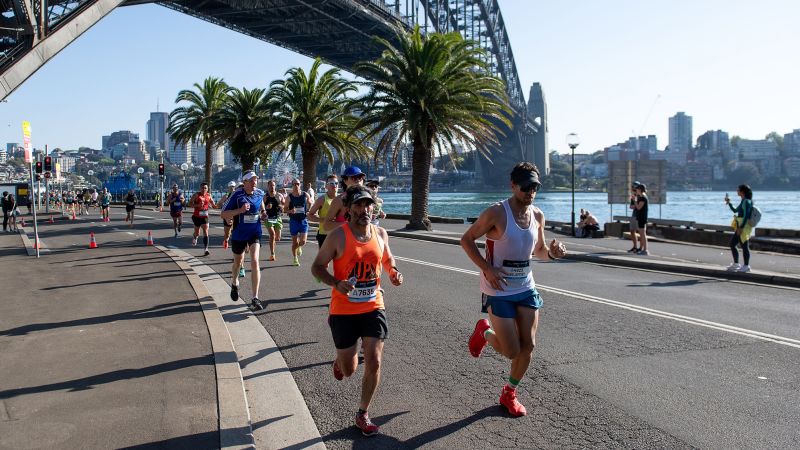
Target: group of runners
[358,250]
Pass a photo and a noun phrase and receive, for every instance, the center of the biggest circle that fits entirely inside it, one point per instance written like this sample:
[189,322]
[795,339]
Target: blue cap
[352,171]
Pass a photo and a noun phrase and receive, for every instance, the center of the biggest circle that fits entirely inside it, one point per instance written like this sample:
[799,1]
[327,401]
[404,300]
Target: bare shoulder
[538,214]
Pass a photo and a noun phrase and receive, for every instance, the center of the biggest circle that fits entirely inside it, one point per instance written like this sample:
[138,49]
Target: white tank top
[513,253]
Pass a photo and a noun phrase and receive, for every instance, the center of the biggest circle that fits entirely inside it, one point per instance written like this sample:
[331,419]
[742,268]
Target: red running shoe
[365,425]
[337,373]
[477,342]
[508,398]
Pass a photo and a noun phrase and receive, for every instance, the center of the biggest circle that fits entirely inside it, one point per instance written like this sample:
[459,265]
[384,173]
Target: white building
[179,154]
[763,153]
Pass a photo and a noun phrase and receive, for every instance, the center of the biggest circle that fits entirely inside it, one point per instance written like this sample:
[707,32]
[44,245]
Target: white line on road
[635,308]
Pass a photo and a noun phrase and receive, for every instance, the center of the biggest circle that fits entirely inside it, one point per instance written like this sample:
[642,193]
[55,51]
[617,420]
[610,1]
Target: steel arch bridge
[338,31]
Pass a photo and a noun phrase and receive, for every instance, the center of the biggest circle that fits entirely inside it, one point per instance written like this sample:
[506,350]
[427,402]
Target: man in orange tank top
[359,251]
[514,231]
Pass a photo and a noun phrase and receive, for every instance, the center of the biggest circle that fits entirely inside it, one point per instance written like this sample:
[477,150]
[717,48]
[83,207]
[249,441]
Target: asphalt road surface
[624,358]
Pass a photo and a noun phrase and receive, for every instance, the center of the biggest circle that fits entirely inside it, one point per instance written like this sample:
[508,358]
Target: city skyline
[614,71]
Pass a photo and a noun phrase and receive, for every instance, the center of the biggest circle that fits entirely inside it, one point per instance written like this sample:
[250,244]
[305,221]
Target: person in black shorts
[641,217]
[130,206]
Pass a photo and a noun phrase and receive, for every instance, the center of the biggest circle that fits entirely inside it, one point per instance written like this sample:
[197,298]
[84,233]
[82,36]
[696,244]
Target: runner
[175,200]
[248,205]
[514,231]
[272,204]
[352,176]
[95,196]
[227,224]
[201,201]
[319,210]
[130,207]
[69,200]
[105,202]
[87,201]
[359,251]
[312,194]
[296,205]
[79,201]
[378,214]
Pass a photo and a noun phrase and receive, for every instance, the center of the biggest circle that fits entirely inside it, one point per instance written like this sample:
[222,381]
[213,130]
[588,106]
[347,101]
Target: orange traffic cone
[92,242]
[23,222]
[149,238]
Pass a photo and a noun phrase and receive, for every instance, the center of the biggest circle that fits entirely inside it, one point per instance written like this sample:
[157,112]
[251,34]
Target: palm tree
[194,122]
[434,91]
[312,113]
[242,109]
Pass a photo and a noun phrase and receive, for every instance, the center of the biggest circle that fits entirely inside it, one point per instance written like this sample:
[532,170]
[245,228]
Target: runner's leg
[347,359]
[373,354]
[272,235]
[255,272]
[527,322]
[205,235]
[504,336]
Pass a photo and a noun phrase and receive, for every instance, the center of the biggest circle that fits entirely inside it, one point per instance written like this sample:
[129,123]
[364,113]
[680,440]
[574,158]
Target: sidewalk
[669,256]
[102,349]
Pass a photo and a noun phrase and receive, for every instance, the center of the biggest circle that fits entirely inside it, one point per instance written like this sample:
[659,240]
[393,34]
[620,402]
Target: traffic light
[48,164]
[161,169]
[38,167]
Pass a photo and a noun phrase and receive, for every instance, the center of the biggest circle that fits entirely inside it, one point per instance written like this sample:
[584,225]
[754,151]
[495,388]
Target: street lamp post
[573,141]
[184,168]
[140,171]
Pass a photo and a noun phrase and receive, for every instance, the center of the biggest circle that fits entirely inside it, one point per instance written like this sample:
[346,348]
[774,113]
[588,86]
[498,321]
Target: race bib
[249,218]
[203,213]
[130,203]
[177,204]
[365,291]
[299,209]
[272,221]
[518,272]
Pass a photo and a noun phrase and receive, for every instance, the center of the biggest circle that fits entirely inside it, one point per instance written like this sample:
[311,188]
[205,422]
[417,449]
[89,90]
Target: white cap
[249,174]
[231,184]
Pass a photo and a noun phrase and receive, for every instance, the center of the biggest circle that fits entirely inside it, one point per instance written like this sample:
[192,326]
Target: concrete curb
[621,261]
[235,431]
[278,413]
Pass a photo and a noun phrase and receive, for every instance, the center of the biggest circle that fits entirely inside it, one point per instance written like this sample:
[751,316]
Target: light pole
[184,168]
[573,141]
[161,185]
[140,171]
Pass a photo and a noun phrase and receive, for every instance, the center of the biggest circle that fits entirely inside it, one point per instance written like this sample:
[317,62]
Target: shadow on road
[208,440]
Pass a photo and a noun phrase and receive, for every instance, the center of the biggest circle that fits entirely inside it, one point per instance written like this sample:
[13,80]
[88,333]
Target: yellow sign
[26,141]
[58,171]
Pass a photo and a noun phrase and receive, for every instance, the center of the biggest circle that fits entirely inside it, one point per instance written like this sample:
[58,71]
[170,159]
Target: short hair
[523,168]
[745,189]
[204,183]
[331,177]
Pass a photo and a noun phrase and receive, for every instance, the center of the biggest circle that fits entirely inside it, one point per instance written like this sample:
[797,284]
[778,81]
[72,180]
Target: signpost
[26,139]
[621,174]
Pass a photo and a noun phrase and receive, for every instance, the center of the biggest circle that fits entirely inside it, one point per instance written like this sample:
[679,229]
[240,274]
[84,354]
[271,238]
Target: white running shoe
[194,242]
[745,268]
[734,267]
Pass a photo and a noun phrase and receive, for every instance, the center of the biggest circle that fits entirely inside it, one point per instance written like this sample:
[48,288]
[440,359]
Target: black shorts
[347,328]
[198,221]
[238,246]
[129,208]
[642,223]
[321,239]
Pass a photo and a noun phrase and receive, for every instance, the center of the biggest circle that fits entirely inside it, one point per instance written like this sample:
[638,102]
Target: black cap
[525,179]
[635,183]
[356,193]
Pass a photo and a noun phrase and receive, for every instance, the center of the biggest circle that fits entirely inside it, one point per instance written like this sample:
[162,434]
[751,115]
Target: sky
[609,69]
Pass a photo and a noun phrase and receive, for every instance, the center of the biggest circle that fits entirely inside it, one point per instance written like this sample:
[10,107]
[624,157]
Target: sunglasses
[333,183]
[295,184]
[530,187]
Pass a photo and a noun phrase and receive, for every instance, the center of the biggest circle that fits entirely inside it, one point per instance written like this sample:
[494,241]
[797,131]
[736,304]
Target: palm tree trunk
[420,186]
[208,162]
[310,155]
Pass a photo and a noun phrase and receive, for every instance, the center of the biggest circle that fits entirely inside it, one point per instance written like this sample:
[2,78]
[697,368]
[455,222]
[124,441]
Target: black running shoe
[633,250]
[257,304]
[234,293]
[206,253]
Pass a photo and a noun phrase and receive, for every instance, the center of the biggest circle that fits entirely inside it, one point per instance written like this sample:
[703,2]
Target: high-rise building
[119,137]
[680,132]
[157,129]
[537,111]
[180,153]
[11,147]
[3,156]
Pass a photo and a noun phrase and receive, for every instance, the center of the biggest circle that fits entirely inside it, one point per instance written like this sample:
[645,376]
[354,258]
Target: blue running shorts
[298,227]
[506,306]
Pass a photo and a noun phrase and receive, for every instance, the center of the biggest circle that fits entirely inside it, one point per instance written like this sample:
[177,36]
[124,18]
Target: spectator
[13,212]
[588,224]
[634,222]
[641,217]
[6,210]
[741,227]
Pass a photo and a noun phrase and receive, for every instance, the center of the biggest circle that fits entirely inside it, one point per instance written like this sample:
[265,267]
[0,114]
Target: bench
[672,223]
[621,218]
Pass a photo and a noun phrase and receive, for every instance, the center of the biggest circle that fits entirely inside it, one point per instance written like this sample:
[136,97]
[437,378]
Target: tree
[435,91]
[237,120]
[195,121]
[312,113]
[735,140]
[776,138]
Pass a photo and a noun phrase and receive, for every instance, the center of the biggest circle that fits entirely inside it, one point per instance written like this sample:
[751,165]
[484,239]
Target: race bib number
[203,213]
[518,272]
[250,218]
[299,209]
[272,221]
[365,291]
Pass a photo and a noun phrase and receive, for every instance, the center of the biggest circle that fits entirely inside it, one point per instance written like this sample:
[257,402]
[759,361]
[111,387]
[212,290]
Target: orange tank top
[361,265]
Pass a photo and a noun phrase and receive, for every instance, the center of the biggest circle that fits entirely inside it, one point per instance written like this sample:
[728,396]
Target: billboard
[26,141]
[621,174]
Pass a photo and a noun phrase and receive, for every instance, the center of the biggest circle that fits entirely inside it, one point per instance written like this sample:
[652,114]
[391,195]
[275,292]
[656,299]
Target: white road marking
[635,308]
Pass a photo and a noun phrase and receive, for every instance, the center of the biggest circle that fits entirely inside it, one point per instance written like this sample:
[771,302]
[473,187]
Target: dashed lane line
[635,308]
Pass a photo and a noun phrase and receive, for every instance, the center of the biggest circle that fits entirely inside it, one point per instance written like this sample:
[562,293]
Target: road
[624,358]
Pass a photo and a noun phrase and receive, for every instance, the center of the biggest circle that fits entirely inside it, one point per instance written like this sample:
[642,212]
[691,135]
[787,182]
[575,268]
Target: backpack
[755,216]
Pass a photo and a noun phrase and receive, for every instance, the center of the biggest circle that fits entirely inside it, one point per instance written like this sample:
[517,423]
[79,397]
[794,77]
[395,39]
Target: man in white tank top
[514,231]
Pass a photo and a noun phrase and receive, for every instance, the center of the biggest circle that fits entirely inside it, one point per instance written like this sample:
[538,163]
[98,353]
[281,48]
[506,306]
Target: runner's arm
[389,264]
[331,248]
[230,212]
[556,249]
[313,213]
[485,223]
[333,211]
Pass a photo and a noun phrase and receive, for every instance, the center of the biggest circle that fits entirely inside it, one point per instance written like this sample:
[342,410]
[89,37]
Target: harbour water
[780,209]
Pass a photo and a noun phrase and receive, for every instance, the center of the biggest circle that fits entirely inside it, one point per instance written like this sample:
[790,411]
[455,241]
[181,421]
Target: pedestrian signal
[48,164]
[38,167]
